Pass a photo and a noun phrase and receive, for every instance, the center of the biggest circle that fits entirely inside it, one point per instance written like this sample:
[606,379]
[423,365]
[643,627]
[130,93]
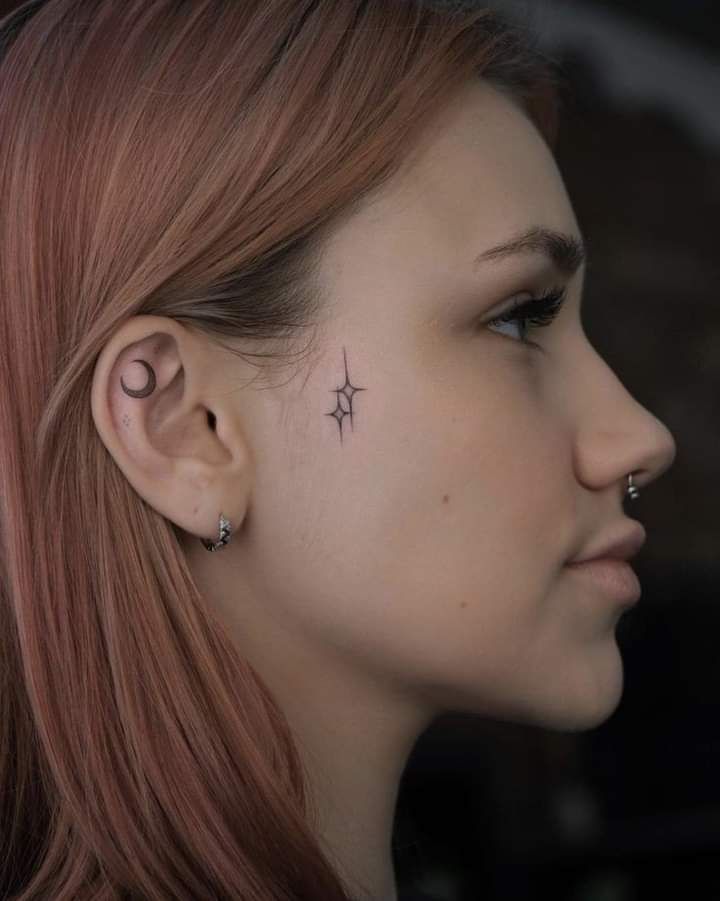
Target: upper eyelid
[540,288]
[553,300]
[516,306]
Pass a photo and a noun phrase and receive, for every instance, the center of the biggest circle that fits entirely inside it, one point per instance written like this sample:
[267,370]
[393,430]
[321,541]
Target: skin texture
[414,567]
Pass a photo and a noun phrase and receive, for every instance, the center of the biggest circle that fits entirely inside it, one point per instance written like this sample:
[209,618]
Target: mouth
[613,578]
[620,544]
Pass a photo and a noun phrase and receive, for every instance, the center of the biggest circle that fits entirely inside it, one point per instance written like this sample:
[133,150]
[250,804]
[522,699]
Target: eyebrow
[566,252]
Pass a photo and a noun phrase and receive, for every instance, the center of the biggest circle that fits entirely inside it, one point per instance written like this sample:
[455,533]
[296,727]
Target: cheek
[476,534]
[404,541]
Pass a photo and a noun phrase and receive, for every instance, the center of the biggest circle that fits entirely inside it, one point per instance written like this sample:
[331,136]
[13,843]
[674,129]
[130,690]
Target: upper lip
[622,543]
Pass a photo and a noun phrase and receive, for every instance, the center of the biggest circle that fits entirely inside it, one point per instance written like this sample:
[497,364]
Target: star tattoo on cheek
[344,398]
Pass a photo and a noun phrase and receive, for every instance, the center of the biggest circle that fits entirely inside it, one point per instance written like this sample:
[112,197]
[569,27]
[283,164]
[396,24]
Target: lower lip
[616,578]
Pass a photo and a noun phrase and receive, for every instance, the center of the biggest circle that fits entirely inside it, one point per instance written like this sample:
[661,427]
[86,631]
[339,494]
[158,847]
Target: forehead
[480,173]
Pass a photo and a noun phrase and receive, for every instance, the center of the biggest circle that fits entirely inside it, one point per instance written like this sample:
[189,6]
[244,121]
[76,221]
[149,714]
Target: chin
[586,709]
[581,720]
[579,701]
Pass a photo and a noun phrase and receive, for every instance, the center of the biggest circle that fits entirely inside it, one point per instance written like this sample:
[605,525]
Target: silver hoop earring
[225,531]
[633,492]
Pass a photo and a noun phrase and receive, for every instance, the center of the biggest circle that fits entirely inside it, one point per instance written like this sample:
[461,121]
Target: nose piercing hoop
[633,492]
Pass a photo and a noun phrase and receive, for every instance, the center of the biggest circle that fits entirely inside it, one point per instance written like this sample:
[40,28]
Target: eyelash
[539,311]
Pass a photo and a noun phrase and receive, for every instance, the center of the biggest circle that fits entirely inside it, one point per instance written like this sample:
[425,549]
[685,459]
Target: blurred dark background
[629,811]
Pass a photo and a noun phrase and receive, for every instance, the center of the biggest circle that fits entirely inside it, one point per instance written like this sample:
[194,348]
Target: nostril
[212,420]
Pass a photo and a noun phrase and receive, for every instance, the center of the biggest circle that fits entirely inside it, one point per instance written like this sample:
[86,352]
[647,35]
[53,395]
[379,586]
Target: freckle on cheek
[446,498]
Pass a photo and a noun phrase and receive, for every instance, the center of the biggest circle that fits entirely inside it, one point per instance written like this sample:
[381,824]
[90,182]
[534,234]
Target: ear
[173,429]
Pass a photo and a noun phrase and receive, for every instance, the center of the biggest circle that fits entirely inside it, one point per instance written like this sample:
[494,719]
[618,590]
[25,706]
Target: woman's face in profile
[421,543]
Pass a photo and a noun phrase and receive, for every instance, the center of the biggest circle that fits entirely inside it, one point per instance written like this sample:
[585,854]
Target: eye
[538,311]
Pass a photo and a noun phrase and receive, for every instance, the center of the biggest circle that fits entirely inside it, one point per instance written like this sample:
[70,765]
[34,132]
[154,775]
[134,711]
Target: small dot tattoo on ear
[346,393]
[148,389]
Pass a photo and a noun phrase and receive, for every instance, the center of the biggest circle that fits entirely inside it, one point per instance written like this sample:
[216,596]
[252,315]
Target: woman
[298,281]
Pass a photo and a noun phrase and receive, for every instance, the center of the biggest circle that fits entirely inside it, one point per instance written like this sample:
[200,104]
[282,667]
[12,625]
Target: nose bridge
[617,434]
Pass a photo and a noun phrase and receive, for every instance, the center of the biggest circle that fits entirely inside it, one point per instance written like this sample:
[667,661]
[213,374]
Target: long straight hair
[179,159]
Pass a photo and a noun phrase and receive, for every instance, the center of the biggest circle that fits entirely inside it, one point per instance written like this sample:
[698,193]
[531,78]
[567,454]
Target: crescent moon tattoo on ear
[148,389]
[344,400]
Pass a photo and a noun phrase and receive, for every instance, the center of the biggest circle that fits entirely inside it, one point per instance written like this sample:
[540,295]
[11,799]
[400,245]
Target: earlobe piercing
[225,531]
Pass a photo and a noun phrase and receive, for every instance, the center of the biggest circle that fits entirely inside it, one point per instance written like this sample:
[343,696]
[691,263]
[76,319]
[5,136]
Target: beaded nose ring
[633,492]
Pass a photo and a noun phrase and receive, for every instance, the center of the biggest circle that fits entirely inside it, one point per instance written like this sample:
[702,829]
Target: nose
[617,435]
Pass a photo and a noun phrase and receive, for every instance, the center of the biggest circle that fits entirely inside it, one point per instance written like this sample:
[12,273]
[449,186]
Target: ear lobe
[150,412]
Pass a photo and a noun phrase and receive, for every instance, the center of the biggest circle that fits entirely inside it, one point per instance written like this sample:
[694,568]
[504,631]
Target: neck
[355,738]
